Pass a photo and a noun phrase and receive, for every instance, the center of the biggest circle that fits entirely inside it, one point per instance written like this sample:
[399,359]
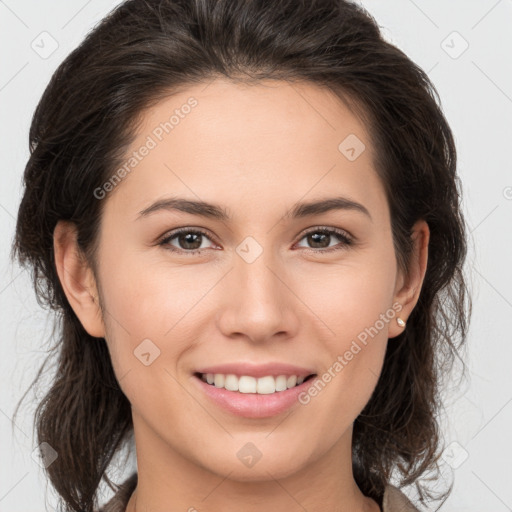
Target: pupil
[316,236]
[189,240]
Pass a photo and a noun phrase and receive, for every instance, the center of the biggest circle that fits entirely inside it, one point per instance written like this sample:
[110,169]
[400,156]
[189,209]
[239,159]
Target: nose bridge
[258,277]
[258,305]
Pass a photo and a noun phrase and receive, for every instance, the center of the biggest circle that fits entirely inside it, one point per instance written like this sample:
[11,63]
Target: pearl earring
[400,322]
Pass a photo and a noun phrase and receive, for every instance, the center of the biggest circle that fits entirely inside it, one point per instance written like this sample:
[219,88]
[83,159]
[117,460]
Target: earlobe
[77,278]
[409,286]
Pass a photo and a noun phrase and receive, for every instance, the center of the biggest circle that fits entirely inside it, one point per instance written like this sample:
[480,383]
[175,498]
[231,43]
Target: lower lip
[254,405]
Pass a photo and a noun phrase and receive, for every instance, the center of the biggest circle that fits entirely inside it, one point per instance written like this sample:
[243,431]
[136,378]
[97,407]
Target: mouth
[247,384]
[251,397]
[243,388]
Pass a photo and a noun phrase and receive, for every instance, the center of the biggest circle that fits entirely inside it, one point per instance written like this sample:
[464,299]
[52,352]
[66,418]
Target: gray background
[466,47]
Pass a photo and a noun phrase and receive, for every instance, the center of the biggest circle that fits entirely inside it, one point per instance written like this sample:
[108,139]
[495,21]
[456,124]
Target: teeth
[247,384]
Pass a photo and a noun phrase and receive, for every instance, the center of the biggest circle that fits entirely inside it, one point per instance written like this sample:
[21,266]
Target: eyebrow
[213,211]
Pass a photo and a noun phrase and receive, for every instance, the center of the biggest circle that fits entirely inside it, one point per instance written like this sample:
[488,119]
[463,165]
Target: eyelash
[342,235]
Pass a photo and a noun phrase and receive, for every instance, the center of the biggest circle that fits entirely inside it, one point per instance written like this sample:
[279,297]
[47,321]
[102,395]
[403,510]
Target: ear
[77,278]
[408,285]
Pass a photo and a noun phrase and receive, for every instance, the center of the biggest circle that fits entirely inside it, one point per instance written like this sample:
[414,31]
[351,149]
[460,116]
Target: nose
[257,304]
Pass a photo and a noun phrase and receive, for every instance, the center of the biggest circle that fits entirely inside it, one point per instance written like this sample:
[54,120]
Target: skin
[257,151]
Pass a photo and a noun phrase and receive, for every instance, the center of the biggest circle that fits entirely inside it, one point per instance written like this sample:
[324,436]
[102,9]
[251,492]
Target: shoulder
[120,499]
[394,499]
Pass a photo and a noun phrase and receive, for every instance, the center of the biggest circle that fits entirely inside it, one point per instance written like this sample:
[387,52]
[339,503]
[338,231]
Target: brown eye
[190,241]
[321,238]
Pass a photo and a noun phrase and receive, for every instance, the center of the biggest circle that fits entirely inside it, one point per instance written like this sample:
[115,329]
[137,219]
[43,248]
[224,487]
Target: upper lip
[260,370]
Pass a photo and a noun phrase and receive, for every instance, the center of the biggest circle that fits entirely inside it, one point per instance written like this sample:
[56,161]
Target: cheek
[350,298]
[354,304]
[147,297]
[143,336]
[152,310]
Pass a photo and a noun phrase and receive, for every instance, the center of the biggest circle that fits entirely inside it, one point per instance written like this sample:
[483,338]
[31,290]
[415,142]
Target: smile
[248,384]
[247,401]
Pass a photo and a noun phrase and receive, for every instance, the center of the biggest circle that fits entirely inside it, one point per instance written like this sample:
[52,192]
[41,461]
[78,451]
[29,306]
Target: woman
[247,216]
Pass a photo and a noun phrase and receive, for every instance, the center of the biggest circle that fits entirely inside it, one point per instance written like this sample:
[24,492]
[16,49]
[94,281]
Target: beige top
[394,500]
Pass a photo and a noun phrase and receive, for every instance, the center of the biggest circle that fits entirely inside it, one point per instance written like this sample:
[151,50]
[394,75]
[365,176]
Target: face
[267,282]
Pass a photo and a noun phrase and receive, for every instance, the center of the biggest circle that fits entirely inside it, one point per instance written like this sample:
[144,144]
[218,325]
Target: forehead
[246,146]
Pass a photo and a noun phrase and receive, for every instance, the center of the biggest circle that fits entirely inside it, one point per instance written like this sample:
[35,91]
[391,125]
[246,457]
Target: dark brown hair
[145,50]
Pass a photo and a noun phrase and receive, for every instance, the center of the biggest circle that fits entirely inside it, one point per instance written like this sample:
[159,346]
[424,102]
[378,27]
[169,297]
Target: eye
[189,240]
[321,237]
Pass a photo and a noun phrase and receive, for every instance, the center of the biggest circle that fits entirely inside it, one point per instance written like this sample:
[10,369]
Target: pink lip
[253,405]
[253,370]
